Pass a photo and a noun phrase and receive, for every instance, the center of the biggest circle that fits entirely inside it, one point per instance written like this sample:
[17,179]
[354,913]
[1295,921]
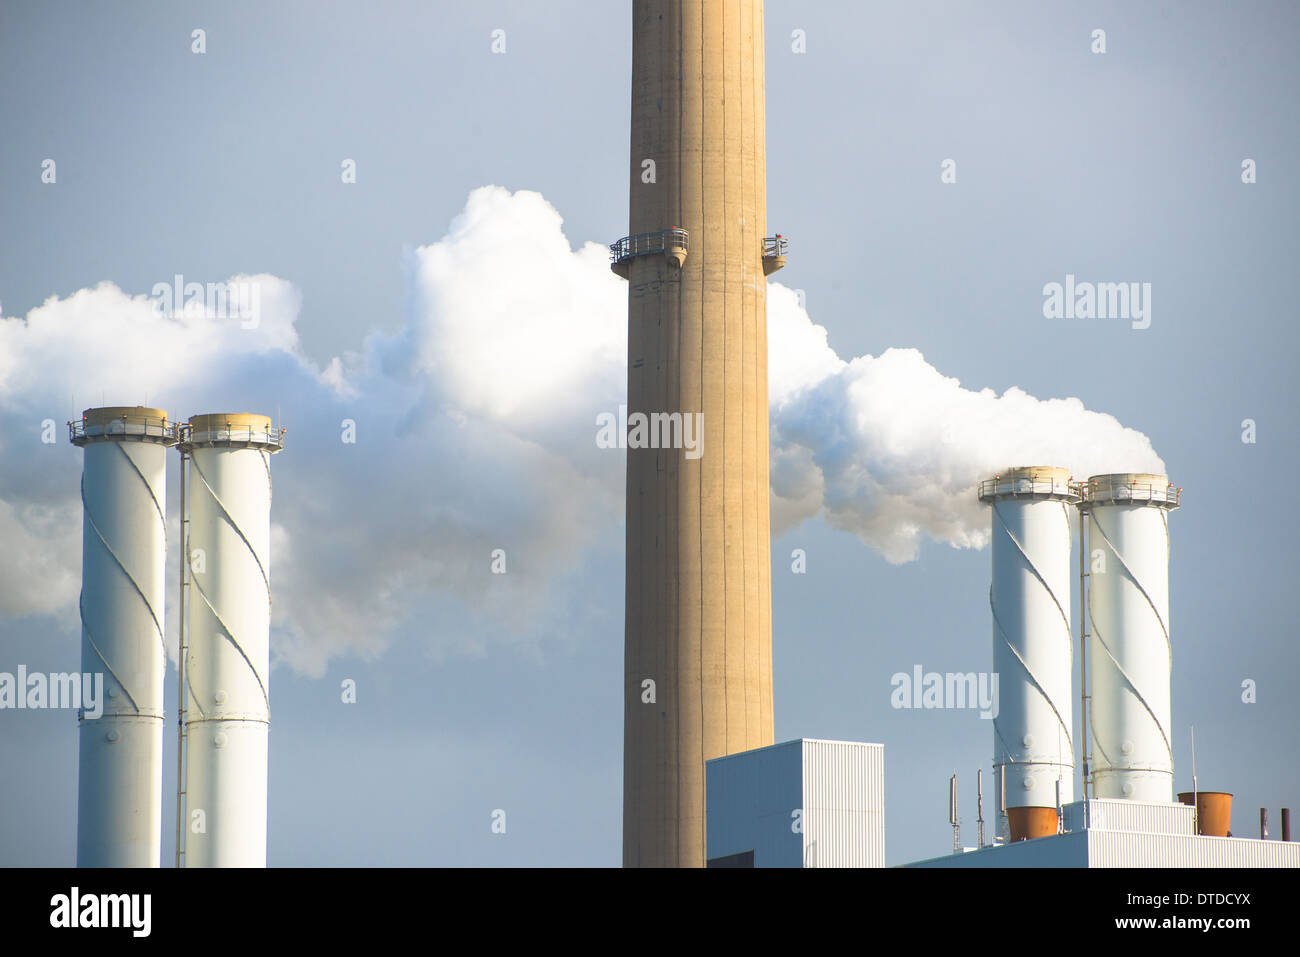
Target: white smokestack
[124,554]
[228,656]
[1129,651]
[1032,643]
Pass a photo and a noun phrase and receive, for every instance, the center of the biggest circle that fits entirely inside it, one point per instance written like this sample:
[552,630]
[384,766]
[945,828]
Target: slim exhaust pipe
[1002,802]
[952,814]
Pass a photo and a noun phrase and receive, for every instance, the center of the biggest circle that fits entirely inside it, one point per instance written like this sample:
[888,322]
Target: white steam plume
[890,449]
[475,429]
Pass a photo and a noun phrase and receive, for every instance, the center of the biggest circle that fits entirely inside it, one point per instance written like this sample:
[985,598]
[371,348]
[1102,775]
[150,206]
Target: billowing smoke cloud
[474,431]
[407,464]
[892,450]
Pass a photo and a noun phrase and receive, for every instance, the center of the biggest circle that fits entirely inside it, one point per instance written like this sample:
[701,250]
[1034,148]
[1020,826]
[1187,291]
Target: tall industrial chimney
[698,598]
[227,649]
[123,577]
[1033,751]
[1129,651]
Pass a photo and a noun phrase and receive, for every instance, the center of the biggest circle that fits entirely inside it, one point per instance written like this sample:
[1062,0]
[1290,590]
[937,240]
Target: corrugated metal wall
[1095,848]
[1126,849]
[749,801]
[1140,816]
[1062,850]
[833,790]
[844,804]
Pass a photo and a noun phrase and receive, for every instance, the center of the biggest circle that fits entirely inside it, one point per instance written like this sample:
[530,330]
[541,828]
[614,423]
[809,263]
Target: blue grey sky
[1122,166]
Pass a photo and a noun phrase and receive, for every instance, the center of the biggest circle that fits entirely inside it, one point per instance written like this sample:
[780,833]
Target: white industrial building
[801,803]
[1123,833]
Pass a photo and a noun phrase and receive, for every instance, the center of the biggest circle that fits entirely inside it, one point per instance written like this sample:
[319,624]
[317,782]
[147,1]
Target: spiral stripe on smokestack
[124,555]
[228,653]
[1032,648]
[1131,656]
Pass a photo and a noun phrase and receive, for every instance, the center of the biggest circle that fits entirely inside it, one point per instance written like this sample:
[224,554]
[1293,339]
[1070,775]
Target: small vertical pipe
[952,814]
[1002,803]
[1083,651]
[979,806]
[180,681]
[1263,824]
[1286,824]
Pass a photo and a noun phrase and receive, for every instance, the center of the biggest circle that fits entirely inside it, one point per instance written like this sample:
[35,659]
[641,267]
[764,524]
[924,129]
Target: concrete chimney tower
[698,652]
